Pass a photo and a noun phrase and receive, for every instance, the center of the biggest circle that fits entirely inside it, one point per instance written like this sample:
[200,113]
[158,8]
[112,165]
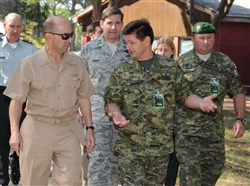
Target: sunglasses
[64,36]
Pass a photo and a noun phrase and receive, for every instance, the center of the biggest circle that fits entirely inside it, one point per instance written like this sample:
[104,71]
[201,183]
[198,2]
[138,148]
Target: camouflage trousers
[141,170]
[201,160]
[102,169]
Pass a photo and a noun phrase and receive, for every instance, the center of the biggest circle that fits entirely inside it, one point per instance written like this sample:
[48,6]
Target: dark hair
[141,28]
[91,28]
[111,11]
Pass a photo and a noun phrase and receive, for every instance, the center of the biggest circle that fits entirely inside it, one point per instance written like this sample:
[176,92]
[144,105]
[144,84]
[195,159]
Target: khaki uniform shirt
[51,91]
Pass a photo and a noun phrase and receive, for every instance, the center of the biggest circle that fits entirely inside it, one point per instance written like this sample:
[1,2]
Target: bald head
[13,26]
[12,16]
[54,23]
[58,34]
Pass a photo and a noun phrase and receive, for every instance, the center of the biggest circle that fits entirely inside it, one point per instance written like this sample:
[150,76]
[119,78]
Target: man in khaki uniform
[55,83]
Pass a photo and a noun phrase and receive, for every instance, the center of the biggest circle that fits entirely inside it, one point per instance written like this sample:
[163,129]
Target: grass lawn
[237,166]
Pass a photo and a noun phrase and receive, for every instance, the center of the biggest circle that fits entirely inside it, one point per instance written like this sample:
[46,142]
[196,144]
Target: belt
[57,121]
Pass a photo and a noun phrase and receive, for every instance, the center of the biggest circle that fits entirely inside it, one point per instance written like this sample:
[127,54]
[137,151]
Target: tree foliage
[7,6]
[35,14]
[68,6]
[36,11]
[67,9]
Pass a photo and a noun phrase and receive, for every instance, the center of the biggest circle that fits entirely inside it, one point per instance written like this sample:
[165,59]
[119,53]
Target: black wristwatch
[244,122]
[90,127]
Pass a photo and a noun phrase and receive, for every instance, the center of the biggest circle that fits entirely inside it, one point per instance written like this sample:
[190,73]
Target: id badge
[214,86]
[158,100]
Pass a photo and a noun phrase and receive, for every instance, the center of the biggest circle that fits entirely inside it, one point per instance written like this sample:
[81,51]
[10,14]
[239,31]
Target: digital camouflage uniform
[147,140]
[102,170]
[200,136]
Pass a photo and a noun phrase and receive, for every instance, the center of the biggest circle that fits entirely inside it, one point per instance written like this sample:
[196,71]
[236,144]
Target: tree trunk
[221,12]
[113,3]
[189,17]
[97,9]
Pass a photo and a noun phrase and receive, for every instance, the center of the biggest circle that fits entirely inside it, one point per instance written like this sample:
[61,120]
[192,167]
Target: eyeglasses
[64,36]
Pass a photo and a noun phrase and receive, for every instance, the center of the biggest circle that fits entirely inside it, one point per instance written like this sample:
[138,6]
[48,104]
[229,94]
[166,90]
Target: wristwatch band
[90,127]
[244,122]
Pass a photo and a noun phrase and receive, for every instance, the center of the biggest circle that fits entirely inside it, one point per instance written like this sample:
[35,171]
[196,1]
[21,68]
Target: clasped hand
[207,104]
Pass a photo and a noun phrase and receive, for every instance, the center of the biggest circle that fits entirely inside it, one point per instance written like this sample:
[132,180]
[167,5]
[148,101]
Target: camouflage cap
[203,28]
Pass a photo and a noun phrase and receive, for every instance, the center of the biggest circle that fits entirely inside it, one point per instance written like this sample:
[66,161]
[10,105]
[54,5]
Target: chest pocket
[42,91]
[190,72]
[71,91]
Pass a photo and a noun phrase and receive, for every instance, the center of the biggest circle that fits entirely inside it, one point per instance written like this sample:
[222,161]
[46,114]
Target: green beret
[203,28]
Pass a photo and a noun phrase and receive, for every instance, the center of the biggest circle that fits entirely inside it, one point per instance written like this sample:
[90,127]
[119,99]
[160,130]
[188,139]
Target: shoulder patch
[26,41]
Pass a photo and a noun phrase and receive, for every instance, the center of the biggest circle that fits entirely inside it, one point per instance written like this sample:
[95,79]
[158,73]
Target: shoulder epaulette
[26,41]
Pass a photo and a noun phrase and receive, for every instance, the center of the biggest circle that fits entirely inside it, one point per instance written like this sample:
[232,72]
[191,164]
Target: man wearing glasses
[55,83]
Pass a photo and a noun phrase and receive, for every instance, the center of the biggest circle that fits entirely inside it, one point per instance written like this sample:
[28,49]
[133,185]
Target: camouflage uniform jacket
[100,62]
[200,73]
[132,88]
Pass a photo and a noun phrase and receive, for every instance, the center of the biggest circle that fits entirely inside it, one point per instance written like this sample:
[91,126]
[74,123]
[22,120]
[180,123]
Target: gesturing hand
[119,119]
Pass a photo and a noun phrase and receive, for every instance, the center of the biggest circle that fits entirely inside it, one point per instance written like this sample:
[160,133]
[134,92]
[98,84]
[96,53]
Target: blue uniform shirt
[10,57]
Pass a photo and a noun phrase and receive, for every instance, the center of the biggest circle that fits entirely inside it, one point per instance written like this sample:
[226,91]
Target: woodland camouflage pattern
[154,177]
[132,88]
[200,136]
[200,74]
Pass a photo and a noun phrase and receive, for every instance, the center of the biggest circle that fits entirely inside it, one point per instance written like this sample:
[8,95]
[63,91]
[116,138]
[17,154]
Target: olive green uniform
[144,145]
[200,136]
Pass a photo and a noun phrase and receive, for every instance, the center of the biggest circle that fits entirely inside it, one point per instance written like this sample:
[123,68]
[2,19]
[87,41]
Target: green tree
[35,14]
[67,9]
[7,6]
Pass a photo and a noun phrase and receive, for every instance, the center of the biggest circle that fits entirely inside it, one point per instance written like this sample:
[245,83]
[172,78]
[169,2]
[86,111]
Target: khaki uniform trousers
[85,164]
[44,142]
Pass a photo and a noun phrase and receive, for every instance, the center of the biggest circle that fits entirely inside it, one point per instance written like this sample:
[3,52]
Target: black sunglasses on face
[64,36]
